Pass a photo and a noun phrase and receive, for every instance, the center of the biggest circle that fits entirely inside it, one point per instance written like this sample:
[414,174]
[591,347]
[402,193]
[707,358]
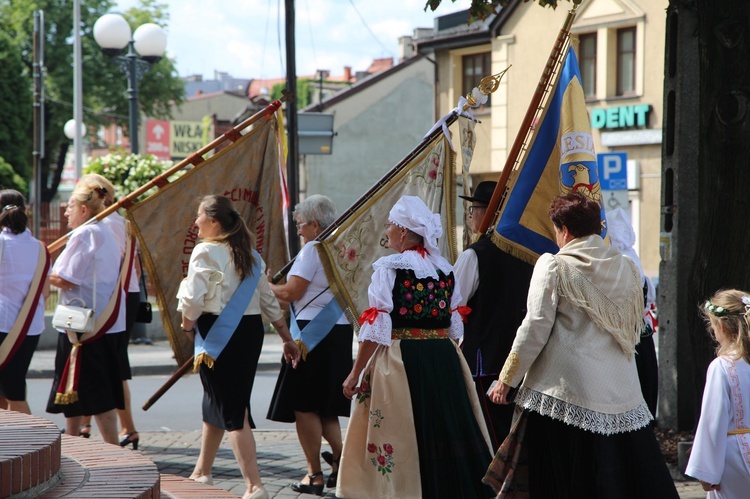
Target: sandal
[328,458]
[84,431]
[309,488]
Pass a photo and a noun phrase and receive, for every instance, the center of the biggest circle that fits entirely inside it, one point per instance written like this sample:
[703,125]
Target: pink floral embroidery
[383,458]
[432,173]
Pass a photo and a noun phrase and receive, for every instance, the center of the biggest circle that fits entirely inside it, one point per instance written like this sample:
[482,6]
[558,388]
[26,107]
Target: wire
[368,29]
[309,26]
[265,39]
[278,33]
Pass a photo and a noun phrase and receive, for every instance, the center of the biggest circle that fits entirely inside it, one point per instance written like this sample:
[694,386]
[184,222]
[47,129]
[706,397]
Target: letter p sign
[613,171]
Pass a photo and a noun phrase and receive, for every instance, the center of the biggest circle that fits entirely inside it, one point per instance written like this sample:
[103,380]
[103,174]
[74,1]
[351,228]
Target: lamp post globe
[112,33]
[70,129]
[150,41]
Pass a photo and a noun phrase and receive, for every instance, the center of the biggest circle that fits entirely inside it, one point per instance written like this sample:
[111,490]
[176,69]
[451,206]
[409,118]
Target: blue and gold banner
[560,158]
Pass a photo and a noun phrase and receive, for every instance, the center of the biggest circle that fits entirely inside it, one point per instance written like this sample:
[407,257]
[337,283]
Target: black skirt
[13,376]
[566,462]
[228,385]
[99,384]
[316,384]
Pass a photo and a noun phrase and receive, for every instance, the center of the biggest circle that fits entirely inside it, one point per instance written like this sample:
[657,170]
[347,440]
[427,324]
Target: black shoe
[328,458]
[128,439]
[309,488]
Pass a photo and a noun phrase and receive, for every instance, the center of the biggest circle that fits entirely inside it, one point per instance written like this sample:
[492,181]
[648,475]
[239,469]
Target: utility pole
[291,126]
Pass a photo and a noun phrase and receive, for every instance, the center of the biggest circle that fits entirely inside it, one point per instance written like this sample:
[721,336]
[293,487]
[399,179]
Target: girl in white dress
[720,458]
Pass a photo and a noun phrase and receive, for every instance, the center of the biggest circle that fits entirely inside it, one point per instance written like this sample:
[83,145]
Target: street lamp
[146,47]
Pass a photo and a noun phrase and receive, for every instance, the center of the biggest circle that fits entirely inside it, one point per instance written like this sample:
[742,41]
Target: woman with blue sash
[222,300]
[310,395]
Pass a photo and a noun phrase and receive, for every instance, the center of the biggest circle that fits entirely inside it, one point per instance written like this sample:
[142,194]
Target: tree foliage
[16,161]
[104,85]
[480,9]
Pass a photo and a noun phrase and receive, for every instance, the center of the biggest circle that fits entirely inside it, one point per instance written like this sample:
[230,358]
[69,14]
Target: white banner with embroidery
[349,252]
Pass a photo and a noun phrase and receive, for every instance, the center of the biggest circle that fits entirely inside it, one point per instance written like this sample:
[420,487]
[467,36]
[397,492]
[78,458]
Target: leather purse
[74,318]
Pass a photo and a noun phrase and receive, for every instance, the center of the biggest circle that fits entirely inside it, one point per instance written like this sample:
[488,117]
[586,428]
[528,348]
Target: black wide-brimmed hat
[482,192]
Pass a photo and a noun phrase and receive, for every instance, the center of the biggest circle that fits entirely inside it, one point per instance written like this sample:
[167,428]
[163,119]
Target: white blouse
[307,265]
[380,294]
[92,250]
[18,261]
[116,224]
[206,259]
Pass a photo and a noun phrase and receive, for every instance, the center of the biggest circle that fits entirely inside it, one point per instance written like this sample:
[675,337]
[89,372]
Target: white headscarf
[622,237]
[410,212]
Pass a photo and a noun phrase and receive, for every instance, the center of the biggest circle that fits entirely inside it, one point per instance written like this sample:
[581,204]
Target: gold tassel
[302,348]
[203,358]
[66,398]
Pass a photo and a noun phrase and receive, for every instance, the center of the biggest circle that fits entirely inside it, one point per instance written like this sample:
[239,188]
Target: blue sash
[208,350]
[317,329]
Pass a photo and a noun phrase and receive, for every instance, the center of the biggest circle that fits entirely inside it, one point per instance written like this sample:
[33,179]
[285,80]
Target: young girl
[720,458]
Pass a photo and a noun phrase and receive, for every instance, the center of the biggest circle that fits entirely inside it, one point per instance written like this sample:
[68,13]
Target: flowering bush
[128,171]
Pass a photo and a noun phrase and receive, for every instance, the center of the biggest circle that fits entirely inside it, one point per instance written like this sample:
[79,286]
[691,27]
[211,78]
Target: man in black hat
[494,285]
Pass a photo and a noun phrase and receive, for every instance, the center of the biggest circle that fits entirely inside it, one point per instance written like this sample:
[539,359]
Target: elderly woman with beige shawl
[584,425]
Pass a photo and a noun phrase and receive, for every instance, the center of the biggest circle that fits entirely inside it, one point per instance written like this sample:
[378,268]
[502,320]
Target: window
[626,61]
[587,63]
[475,67]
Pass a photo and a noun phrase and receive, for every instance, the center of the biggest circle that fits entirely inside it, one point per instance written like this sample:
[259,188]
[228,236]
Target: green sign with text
[620,117]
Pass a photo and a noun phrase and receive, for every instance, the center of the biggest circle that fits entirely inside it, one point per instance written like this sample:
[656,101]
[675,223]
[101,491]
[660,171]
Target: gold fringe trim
[513,249]
[338,287]
[203,358]
[66,398]
[303,350]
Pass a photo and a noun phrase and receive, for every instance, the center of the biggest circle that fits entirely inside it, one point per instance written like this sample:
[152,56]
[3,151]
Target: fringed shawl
[606,285]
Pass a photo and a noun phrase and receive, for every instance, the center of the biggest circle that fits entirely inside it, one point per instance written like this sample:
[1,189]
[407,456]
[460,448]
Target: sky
[246,38]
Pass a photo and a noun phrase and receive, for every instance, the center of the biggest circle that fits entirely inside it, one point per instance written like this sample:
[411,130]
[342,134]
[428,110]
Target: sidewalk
[279,454]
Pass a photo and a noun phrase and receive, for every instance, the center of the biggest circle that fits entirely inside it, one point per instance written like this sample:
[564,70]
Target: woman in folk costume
[720,458]
[310,394]
[585,424]
[24,263]
[222,300]
[416,428]
[87,374]
[622,237]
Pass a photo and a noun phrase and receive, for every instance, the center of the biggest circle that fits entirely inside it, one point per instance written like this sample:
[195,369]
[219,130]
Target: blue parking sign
[613,170]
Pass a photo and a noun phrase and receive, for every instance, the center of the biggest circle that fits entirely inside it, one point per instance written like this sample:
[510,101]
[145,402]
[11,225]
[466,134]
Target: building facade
[621,57]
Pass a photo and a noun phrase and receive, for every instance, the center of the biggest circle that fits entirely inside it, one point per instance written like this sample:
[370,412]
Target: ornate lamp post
[146,47]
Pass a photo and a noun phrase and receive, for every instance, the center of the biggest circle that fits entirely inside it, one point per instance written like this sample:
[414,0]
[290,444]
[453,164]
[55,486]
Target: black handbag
[144,315]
